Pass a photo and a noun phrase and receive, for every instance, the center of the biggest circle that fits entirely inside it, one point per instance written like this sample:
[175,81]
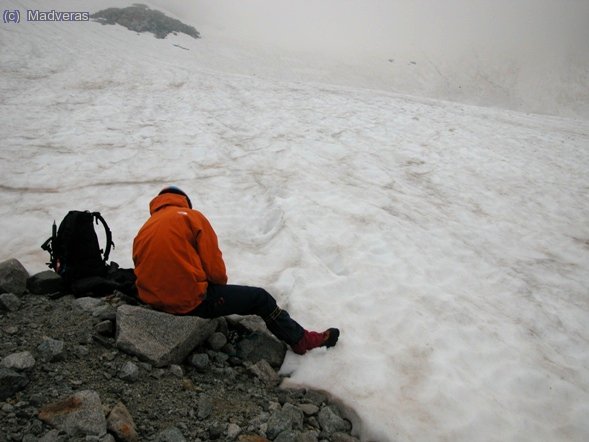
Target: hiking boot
[311,340]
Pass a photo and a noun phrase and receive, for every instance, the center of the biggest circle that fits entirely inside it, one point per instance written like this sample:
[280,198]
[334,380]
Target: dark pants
[224,300]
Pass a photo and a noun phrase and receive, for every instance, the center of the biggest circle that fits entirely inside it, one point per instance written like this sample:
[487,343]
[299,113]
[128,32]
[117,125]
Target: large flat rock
[160,338]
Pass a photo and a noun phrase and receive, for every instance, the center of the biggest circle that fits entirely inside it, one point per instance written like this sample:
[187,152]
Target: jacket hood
[167,199]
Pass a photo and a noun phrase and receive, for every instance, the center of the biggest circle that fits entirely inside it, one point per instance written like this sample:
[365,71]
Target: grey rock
[200,361]
[308,436]
[88,304]
[219,358]
[129,372]
[11,382]
[10,302]
[205,407]
[13,277]
[222,326]
[145,366]
[159,338]
[121,424]
[233,430]
[287,436]
[290,395]
[51,350]
[110,356]
[285,419]
[258,346]
[229,349]
[105,328]
[331,420]
[106,438]
[45,283]
[157,373]
[81,350]
[7,408]
[216,430]
[343,437]
[52,436]
[78,415]
[249,323]
[176,370]
[265,372]
[37,399]
[171,434]
[315,397]
[309,409]
[105,312]
[23,360]
[11,330]
[217,341]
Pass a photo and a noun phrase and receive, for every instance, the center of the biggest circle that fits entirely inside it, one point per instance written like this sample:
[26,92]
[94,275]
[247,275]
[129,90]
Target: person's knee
[264,301]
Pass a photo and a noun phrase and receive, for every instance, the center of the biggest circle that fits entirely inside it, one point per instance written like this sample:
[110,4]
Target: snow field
[448,242]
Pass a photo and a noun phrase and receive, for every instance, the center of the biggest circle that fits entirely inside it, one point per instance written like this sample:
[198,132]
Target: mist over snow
[449,242]
[528,55]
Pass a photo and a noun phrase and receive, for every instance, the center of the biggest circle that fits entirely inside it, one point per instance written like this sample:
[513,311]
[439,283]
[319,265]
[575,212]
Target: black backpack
[75,254]
[74,249]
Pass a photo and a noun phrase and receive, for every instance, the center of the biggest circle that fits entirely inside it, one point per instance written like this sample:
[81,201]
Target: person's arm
[210,254]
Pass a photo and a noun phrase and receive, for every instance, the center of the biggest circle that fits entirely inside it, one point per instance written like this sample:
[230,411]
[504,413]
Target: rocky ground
[64,378]
[140,18]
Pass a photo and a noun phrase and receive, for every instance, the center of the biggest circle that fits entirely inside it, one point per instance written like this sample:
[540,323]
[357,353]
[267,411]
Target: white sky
[384,27]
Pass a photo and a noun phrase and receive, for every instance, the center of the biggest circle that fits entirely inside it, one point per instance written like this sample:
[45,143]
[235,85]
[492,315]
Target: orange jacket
[176,256]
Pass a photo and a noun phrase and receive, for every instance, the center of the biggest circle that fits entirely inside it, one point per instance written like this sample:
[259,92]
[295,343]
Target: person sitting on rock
[180,270]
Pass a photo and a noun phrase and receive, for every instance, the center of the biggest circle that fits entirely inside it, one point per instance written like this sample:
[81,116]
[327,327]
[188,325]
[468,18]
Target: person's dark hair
[177,191]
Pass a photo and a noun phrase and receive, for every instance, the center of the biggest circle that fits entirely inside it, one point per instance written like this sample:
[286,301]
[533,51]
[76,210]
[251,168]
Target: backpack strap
[109,241]
[48,246]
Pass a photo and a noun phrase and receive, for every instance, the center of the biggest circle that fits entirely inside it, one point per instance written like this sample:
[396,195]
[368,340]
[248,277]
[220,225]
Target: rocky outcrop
[140,18]
[64,376]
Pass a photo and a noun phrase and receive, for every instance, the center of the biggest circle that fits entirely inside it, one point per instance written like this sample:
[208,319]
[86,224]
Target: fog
[446,28]
[530,55]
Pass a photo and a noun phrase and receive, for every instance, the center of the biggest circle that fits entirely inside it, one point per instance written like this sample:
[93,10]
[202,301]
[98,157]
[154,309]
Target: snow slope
[450,243]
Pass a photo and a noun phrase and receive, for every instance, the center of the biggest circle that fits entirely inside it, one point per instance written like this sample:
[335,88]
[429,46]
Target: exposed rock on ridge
[140,18]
